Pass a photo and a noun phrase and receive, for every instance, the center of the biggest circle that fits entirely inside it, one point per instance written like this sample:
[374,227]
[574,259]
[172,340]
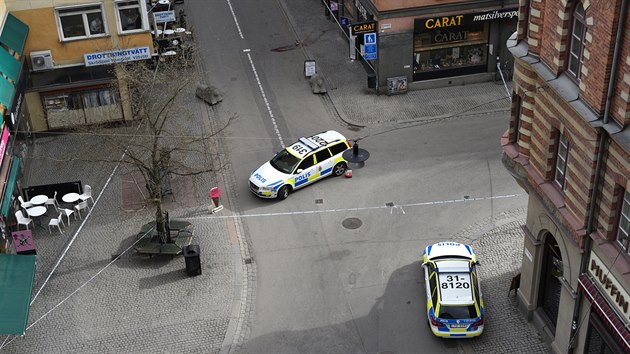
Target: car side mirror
[299,170]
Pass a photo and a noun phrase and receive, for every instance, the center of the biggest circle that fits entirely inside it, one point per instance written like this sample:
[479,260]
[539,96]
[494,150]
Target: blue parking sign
[369,38]
[369,41]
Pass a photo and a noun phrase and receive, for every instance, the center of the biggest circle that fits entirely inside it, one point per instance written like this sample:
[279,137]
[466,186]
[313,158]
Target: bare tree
[167,135]
[170,138]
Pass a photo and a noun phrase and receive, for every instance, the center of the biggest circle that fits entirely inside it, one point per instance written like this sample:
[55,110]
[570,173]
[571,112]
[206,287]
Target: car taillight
[478,323]
[436,323]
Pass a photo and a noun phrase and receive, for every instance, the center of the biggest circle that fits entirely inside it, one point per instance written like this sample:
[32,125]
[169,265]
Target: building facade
[71,51]
[14,120]
[432,42]
[568,146]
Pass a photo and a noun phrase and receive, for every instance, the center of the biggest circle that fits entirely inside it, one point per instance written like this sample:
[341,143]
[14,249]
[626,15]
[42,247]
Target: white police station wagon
[455,306]
[300,164]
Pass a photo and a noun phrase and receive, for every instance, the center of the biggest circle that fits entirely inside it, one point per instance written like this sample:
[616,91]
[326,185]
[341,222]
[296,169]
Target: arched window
[578,34]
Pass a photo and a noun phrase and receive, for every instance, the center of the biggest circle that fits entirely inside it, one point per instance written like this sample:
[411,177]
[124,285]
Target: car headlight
[266,189]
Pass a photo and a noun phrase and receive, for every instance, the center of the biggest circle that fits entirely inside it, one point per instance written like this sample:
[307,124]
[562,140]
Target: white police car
[300,164]
[455,306]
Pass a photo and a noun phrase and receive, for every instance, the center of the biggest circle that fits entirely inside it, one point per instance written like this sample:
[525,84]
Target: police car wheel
[283,193]
[339,169]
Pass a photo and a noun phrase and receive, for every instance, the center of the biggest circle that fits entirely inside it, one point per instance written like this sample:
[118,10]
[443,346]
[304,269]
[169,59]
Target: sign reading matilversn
[117,56]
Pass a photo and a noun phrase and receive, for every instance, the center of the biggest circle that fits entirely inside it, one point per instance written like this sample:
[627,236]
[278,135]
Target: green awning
[14,34]
[16,284]
[8,193]
[7,91]
[9,66]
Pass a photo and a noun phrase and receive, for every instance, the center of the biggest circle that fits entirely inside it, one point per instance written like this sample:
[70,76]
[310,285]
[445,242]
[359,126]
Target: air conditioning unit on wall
[42,60]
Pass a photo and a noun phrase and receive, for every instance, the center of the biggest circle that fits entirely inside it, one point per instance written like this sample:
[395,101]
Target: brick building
[568,146]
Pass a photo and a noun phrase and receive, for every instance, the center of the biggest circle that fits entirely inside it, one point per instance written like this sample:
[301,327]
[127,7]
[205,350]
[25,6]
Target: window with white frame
[130,15]
[562,159]
[623,229]
[78,22]
[578,36]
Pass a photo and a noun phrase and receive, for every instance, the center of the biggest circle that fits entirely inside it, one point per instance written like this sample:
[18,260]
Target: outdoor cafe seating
[37,200]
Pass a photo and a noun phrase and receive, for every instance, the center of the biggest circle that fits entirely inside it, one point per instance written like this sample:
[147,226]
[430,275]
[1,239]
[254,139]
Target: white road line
[262,92]
[238,27]
[290,213]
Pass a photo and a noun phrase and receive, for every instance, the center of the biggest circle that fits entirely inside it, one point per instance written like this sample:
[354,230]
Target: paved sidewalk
[346,80]
[92,304]
[139,305]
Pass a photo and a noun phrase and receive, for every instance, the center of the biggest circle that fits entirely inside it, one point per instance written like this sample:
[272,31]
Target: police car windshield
[284,162]
[452,312]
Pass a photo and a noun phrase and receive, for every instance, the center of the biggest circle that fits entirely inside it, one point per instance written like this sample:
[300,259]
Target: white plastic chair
[55,222]
[67,213]
[23,204]
[22,220]
[52,201]
[87,194]
[81,206]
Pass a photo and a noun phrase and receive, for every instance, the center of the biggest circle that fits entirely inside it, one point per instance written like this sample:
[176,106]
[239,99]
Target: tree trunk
[160,223]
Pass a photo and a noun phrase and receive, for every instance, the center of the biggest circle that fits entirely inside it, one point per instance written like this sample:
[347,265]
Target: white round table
[39,199]
[36,211]
[70,197]
[168,32]
[164,2]
[180,30]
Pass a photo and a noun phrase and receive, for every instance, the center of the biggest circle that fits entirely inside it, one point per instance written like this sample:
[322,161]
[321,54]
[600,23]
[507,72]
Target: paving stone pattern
[500,251]
[136,303]
[322,40]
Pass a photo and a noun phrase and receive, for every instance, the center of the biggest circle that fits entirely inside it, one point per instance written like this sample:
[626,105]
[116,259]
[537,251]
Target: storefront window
[449,46]
[75,108]
[80,100]
[598,340]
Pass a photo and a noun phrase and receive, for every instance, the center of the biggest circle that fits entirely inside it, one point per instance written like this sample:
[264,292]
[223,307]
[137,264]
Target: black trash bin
[371,80]
[193,262]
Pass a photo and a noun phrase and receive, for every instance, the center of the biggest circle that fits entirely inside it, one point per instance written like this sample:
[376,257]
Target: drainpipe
[576,323]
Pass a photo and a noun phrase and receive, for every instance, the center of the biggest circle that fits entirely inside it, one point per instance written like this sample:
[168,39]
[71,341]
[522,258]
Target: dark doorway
[550,285]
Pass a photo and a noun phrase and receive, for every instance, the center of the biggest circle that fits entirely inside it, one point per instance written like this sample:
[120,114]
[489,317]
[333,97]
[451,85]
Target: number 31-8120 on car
[455,306]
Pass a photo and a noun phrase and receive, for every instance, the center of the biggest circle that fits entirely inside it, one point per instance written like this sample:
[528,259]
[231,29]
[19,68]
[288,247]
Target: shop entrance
[550,285]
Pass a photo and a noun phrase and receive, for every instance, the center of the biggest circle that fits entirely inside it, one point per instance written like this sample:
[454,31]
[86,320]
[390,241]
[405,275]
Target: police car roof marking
[456,296]
[294,153]
[309,143]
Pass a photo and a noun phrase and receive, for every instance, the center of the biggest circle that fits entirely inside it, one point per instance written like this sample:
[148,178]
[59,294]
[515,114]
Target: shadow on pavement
[162,279]
[396,323]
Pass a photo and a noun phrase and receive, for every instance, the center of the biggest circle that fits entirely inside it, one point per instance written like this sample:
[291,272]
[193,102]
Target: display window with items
[449,46]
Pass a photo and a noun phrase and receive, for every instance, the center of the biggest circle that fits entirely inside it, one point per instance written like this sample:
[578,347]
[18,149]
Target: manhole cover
[352,223]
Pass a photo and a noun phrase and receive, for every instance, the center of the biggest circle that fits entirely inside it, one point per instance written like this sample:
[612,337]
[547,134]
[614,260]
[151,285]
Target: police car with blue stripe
[455,306]
[307,160]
